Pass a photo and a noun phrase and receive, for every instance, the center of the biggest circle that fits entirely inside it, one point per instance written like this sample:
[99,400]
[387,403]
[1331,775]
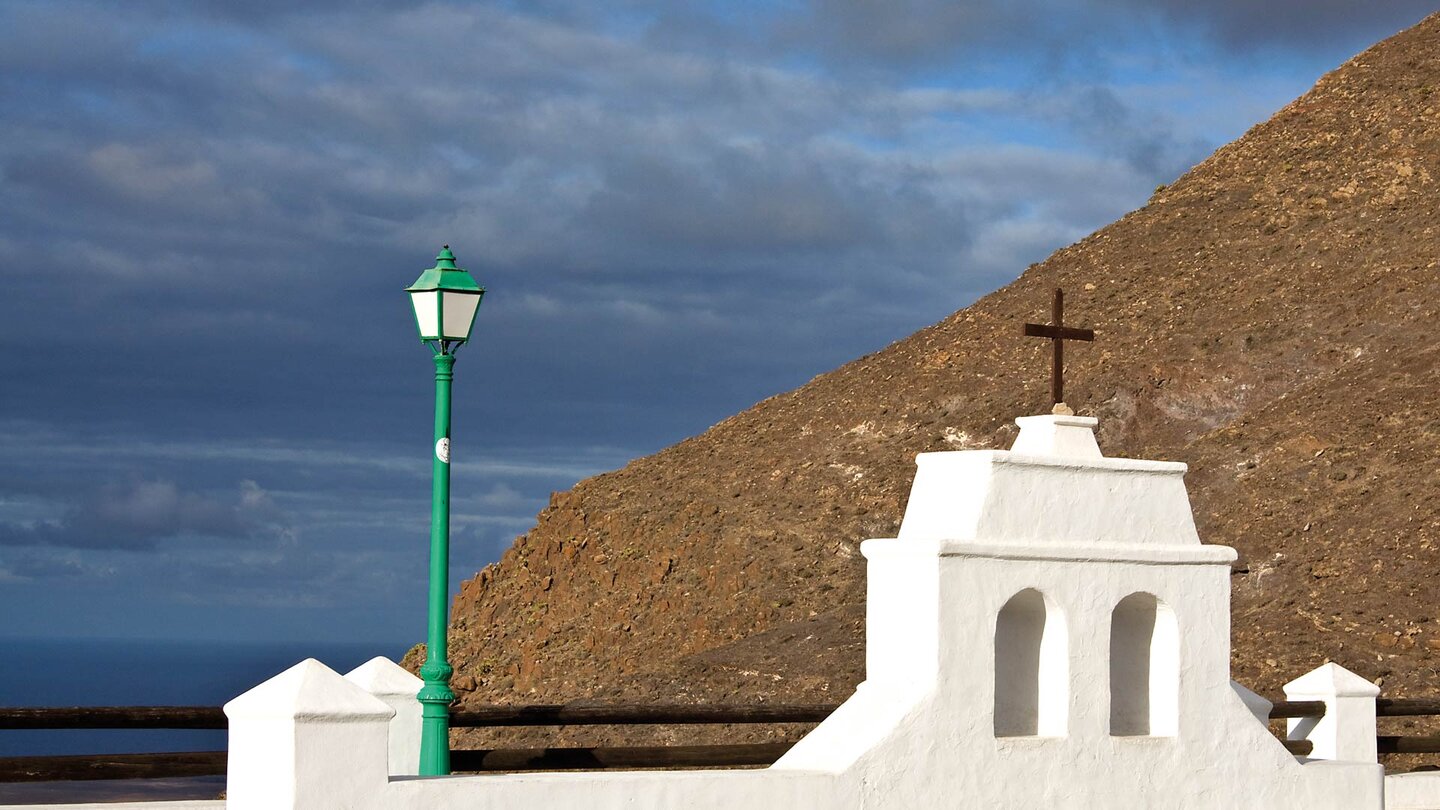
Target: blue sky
[214,413]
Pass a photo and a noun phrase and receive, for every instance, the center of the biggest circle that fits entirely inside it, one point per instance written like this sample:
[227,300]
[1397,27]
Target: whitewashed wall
[1074,535]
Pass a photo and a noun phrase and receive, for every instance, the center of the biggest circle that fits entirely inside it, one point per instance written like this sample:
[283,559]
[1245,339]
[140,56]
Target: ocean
[107,672]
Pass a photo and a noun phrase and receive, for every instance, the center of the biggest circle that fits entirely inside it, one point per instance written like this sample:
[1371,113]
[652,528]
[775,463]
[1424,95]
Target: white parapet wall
[1413,791]
[1047,631]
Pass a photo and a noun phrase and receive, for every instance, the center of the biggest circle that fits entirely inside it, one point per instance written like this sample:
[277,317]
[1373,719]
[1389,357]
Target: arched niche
[1144,668]
[1032,677]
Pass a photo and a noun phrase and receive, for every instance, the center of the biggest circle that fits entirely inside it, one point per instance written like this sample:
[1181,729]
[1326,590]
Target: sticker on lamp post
[442,450]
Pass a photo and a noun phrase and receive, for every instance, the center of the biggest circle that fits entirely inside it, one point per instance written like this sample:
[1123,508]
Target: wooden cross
[1058,333]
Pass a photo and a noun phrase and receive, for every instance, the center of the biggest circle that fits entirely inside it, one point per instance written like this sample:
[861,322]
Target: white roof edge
[1203,554]
[1073,462]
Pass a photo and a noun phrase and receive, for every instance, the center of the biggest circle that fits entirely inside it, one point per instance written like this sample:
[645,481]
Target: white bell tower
[1047,630]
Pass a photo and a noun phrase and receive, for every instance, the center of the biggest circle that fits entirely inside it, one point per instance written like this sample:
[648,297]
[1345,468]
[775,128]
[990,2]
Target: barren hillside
[1270,318]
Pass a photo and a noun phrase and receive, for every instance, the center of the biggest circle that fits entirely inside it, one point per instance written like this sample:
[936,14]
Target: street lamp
[445,300]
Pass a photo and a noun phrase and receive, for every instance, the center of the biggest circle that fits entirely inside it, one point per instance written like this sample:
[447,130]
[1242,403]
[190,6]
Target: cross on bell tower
[1058,333]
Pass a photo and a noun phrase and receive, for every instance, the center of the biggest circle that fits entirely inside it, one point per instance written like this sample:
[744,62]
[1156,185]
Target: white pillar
[1347,731]
[307,738]
[391,683]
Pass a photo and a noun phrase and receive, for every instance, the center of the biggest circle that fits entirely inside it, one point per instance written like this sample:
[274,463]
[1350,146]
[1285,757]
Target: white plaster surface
[397,688]
[307,738]
[997,497]
[1413,791]
[1347,730]
[1083,531]
[1057,435]
[1258,705]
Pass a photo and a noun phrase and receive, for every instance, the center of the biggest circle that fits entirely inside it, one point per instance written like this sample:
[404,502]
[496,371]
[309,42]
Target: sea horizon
[148,672]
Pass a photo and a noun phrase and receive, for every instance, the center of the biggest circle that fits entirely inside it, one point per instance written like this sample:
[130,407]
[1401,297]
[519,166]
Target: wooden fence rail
[628,758]
[1407,707]
[211,717]
[129,717]
[636,715]
[112,766]
[1297,708]
[125,766]
[1385,744]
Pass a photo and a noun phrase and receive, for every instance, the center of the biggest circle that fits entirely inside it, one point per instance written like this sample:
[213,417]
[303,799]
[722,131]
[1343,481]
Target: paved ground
[127,790]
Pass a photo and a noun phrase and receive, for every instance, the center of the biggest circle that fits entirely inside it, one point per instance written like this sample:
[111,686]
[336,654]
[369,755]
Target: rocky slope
[1270,318]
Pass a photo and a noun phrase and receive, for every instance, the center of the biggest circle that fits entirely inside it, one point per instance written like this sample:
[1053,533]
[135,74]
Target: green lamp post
[445,300]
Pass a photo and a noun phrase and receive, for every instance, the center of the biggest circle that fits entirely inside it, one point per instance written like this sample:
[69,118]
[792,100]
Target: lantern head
[445,298]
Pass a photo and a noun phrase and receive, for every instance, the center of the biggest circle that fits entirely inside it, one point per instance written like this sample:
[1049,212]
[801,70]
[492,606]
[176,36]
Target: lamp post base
[435,699]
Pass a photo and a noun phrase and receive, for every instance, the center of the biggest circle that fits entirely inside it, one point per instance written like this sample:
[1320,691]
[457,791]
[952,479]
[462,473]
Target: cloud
[294,576]
[502,496]
[1149,143]
[686,205]
[1305,24]
[916,32]
[25,439]
[30,566]
[208,211]
[148,175]
[139,514]
[1018,41]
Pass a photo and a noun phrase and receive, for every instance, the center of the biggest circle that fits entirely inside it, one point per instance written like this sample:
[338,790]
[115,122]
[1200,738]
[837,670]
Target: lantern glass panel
[459,314]
[427,313]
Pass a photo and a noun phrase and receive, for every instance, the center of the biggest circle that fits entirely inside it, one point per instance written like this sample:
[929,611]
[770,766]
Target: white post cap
[1057,435]
[1330,679]
[383,678]
[308,691]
